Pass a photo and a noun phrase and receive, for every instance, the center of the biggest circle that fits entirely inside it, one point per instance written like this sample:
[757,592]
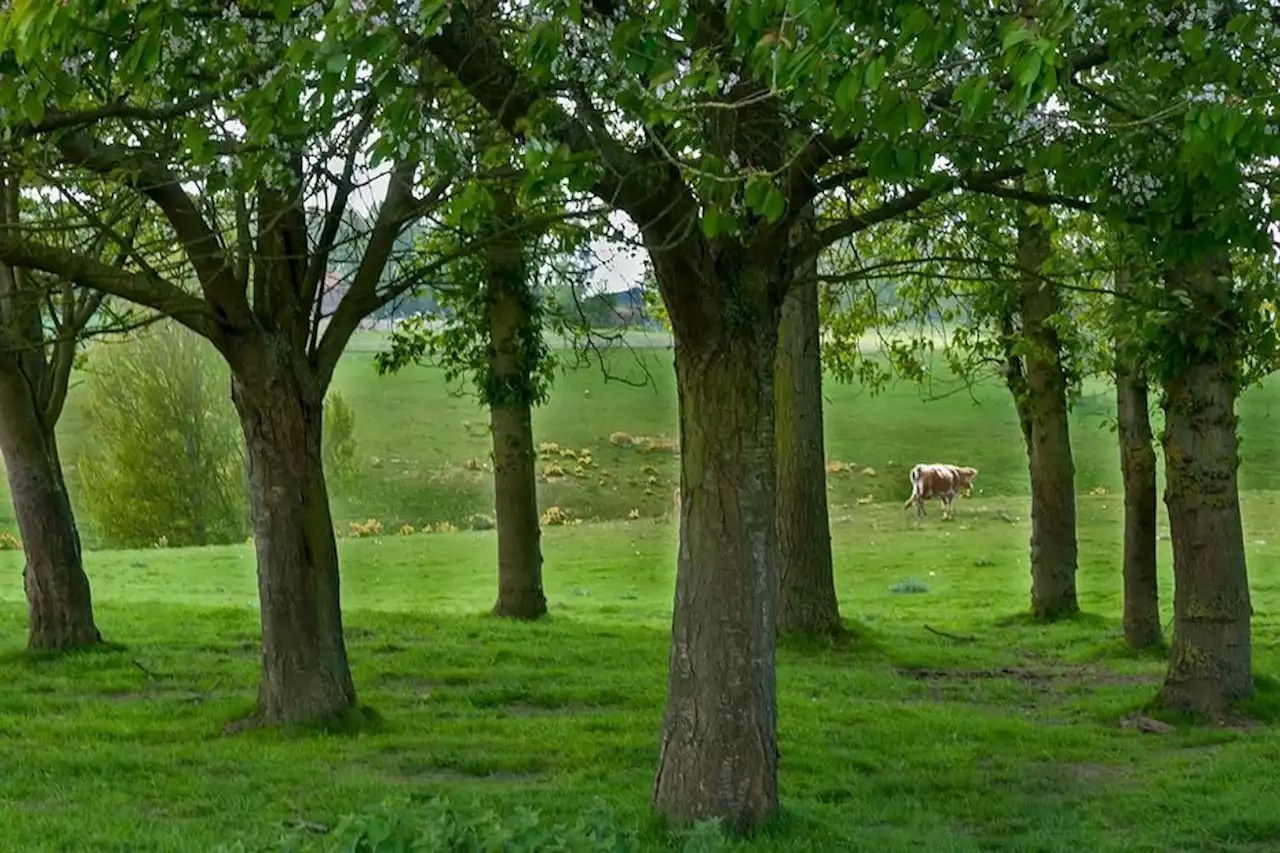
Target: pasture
[948,722]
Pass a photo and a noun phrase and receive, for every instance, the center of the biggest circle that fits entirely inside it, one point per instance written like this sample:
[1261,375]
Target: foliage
[440,825]
[340,460]
[459,343]
[163,457]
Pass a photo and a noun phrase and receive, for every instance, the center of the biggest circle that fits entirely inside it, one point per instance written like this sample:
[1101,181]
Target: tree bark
[59,601]
[1138,469]
[305,674]
[807,593]
[719,754]
[1210,667]
[513,330]
[1052,470]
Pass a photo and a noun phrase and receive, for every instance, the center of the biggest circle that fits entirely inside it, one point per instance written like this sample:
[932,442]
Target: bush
[164,457]
[340,463]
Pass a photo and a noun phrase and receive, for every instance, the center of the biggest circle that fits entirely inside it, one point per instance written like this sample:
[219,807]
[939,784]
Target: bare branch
[143,289]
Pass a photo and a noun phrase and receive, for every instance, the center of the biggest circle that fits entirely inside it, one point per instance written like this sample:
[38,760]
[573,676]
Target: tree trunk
[807,592]
[1210,667]
[305,674]
[59,602]
[1053,497]
[719,754]
[1138,468]
[511,323]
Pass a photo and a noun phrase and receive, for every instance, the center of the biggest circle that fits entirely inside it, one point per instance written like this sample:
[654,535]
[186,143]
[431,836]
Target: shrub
[164,457]
[340,461]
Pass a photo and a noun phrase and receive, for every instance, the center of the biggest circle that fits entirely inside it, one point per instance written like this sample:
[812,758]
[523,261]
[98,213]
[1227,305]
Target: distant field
[424,448]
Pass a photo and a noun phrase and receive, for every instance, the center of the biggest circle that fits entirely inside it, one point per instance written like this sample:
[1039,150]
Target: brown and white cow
[937,480]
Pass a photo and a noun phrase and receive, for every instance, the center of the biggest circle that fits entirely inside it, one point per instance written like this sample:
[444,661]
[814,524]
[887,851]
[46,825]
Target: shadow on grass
[38,657]
[1026,619]
[358,720]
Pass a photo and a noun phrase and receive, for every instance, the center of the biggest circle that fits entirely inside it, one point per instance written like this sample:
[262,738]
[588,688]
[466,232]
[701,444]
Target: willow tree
[237,130]
[713,126]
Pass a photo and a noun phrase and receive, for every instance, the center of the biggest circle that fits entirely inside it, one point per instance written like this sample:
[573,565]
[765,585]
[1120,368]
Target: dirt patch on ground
[412,772]
[172,694]
[524,709]
[454,776]
[1082,773]
[414,686]
[1091,675]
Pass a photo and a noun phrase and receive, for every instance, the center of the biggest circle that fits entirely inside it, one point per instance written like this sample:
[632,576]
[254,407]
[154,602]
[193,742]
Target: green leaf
[712,223]
[757,191]
[875,72]
[1027,70]
[848,90]
[775,204]
[282,9]
[1017,34]
[915,114]
[918,21]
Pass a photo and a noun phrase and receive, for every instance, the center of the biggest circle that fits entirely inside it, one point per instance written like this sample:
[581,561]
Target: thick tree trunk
[1210,667]
[1138,468]
[59,602]
[1053,497]
[719,754]
[511,322]
[305,674]
[807,592]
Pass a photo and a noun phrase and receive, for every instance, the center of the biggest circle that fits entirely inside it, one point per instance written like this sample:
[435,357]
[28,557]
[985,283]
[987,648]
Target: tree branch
[640,185]
[56,120]
[362,298]
[337,210]
[148,290]
[147,175]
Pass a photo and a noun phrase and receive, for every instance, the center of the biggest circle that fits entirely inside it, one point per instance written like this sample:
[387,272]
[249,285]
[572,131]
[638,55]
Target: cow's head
[965,476]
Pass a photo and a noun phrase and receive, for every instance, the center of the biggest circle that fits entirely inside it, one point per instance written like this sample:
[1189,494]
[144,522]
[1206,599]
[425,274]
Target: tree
[1138,468]
[1041,396]
[250,108]
[494,336]
[35,369]
[807,600]
[712,126]
[997,279]
[1175,142]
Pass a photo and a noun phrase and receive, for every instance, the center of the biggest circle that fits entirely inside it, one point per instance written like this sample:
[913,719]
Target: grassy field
[984,733]
[425,449]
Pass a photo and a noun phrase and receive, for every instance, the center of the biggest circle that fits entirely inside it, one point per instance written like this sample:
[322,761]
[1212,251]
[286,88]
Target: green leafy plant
[340,460]
[164,459]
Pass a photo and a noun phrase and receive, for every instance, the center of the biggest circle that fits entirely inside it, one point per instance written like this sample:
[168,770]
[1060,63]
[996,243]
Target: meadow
[946,722]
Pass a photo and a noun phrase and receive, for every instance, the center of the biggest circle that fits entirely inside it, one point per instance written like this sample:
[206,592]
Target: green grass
[1003,735]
